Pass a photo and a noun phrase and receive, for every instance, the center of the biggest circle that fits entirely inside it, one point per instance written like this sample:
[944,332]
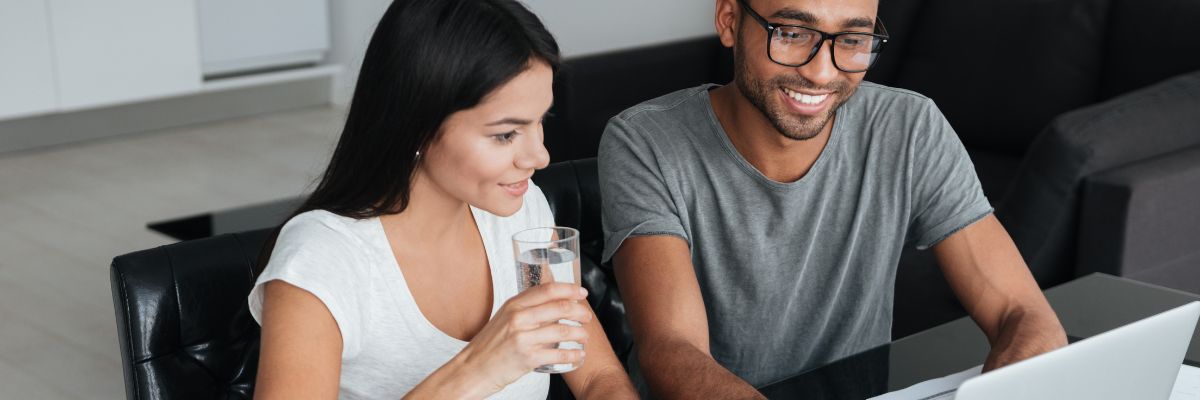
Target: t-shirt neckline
[399,285]
[818,167]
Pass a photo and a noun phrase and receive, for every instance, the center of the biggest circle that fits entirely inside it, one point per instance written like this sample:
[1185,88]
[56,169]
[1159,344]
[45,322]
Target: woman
[396,277]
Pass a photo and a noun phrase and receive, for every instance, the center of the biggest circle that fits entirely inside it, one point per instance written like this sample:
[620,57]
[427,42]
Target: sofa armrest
[1142,221]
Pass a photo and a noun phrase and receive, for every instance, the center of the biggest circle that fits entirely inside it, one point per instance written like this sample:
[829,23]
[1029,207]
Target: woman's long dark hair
[426,60]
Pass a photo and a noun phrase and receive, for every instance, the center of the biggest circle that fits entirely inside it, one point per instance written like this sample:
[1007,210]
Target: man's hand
[1021,337]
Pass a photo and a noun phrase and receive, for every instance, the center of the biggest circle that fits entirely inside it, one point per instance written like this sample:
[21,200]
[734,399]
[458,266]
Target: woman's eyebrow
[511,121]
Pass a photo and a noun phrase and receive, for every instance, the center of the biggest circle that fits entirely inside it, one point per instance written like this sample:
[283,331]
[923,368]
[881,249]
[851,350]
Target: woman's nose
[534,155]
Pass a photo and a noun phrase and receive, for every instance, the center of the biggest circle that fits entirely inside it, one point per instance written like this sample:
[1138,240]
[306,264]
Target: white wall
[351,22]
[594,26]
[582,27]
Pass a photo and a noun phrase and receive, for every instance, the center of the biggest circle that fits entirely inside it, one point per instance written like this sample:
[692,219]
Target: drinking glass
[545,255]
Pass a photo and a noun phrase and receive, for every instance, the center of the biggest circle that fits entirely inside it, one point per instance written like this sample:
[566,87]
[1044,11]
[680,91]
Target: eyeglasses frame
[883,36]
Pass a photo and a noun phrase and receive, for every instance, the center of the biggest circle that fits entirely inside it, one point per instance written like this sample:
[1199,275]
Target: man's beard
[795,127]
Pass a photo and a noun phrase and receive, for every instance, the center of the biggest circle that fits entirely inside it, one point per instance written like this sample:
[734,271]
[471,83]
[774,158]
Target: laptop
[1135,361]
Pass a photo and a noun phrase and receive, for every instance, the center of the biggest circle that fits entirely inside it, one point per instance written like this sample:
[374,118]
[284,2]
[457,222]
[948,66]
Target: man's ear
[727,19]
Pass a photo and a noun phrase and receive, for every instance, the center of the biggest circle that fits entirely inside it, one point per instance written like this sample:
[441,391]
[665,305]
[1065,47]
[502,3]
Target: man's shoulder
[681,104]
[875,93]
[883,107]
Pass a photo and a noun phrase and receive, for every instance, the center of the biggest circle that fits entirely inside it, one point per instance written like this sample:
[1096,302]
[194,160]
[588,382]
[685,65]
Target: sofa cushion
[900,18]
[1001,70]
[996,172]
[590,90]
[1140,221]
[1041,209]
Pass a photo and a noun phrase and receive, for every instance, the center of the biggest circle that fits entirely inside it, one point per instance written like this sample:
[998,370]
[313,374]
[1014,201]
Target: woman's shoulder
[320,222]
[324,230]
[320,245]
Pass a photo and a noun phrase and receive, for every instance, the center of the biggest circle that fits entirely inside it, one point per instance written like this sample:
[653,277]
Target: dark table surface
[1086,306]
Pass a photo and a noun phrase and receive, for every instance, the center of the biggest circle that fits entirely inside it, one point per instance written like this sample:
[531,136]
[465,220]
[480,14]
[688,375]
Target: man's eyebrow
[806,17]
[797,15]
[860,22]
[510,121]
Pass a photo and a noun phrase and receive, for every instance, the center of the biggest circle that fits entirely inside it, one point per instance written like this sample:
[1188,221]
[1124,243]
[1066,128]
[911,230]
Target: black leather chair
[182,319]
[185,329]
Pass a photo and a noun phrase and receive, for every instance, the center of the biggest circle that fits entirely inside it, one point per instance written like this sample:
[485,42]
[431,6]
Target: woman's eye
[505,138]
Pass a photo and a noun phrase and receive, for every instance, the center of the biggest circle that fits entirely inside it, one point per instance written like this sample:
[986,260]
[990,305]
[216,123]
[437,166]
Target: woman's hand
[522,335]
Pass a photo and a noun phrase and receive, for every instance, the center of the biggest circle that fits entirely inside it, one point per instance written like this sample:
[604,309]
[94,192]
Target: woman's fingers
[532,328]
[546,293]
[557,356]
[548,336]
[553,311]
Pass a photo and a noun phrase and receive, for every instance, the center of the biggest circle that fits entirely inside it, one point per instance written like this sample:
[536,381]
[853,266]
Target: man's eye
[796,36]
[853,42]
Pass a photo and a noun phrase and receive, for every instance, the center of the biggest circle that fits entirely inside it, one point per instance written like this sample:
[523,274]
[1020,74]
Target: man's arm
[601,375]
[670,327]
[990,278]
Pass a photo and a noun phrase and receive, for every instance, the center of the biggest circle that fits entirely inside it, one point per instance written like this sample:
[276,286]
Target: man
[755,227]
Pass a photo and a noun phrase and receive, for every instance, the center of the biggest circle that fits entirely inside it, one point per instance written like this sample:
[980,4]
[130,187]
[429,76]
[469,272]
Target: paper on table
[1187,386]
[933,389]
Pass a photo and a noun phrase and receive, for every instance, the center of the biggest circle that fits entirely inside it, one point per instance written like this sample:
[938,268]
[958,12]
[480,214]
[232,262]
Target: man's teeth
[804,98]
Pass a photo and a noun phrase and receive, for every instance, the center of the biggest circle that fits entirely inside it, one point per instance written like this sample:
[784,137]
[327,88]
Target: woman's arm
[301,353]
[301,348]
[601,376]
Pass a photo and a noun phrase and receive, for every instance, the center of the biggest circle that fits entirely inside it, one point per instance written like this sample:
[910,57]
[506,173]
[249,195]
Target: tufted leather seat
[186,332]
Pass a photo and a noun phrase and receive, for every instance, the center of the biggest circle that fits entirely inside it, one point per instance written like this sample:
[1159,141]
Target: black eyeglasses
[795,45]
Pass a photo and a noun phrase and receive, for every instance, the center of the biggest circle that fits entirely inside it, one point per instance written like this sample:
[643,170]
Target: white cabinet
[116,51]
[26,61]
[240,35]
[63,56]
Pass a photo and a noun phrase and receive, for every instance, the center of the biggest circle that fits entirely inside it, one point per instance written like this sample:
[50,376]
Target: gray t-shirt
[793,275]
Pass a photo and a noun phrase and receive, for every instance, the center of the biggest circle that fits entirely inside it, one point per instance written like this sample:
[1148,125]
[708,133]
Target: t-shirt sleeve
[314,255]
[946,194]
[635,198]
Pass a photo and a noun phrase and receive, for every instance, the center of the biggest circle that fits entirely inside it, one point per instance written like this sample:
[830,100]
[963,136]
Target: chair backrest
[573,191]
[182,319]
[185,327]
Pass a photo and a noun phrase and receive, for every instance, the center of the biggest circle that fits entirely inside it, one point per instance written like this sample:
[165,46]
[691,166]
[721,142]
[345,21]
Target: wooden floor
[65,212]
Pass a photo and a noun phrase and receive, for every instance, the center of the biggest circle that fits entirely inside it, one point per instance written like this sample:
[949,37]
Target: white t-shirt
[388,346]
